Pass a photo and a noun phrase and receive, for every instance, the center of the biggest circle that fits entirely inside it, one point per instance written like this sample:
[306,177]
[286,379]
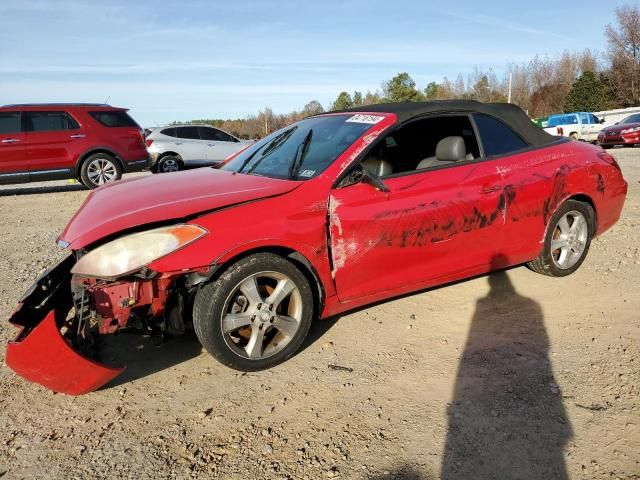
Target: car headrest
[451,149]
[378,166]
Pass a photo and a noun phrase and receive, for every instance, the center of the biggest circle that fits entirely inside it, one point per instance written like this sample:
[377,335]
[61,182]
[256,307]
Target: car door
[534,179]
[13,158]
[219,145]
[432,225]
[595,127]
[49,139]
[189,145]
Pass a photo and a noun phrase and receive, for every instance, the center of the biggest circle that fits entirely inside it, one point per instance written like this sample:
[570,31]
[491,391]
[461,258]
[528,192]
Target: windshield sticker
[372,119]
[307,173]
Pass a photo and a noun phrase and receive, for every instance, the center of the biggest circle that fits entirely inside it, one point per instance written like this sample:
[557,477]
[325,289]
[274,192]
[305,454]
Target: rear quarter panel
[543,179]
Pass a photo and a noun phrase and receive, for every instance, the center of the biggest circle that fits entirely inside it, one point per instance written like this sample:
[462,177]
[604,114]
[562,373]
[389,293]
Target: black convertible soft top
[510,114]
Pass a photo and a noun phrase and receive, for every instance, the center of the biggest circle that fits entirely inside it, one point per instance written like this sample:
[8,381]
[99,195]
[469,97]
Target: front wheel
[100,169]
[256,314]
[567,240]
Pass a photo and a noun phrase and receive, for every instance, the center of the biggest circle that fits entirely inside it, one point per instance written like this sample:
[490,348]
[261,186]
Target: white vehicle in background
[583,126]
[176,147]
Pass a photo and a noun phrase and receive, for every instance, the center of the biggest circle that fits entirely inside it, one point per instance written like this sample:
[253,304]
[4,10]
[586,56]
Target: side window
[170,132]
[210,133]
[593,118]
[584,118]
[497,138]
[188,132]
[50,121]
[432,142]
[114,118]
[9,122]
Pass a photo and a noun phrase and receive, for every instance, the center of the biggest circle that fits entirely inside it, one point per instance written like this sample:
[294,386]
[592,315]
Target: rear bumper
[40,353]
[137,165]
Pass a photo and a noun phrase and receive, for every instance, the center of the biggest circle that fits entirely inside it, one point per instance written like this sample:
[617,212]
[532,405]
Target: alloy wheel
[262,315]
[569,239]
[101,171]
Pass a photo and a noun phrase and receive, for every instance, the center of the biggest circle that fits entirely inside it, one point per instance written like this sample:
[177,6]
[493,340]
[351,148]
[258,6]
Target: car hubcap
[262,315]
[101,171]
[170,166]
[569,239]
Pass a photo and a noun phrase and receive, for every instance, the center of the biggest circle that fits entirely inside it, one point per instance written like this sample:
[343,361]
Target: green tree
[343,101]
[401,88]
[588,94]
[432,91]
[312,108]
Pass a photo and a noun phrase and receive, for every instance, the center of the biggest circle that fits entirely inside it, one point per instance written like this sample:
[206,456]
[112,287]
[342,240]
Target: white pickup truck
[577,126]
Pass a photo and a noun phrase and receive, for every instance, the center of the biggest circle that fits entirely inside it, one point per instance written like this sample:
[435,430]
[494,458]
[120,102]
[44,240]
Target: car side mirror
[361,175]
[602,120]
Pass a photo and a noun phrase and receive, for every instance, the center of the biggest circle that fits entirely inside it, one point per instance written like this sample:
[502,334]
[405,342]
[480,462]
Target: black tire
[168,164]
[573,136]
[215,299]
[545,264]
[606,147]
[89,172]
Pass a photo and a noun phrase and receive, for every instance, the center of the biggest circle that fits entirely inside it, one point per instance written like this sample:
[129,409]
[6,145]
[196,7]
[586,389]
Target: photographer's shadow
[506,419]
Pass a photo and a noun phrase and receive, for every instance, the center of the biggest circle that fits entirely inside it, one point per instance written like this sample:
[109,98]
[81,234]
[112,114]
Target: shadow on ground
[142,356]
[506,419]
[35,190]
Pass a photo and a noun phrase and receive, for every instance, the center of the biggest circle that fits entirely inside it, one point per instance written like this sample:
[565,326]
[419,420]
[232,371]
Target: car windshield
[632,119]
[302,150]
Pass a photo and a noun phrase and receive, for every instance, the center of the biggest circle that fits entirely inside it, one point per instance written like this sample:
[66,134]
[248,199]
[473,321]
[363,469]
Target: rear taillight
[609,159]
[148,142]
[560,131]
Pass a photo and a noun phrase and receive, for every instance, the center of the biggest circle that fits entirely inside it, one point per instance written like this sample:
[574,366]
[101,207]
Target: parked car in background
[94,143]
[583,126]
[334,212]
[626,132]
[176,147]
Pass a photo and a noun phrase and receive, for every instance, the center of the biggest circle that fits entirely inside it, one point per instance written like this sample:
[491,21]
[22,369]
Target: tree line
[572,81]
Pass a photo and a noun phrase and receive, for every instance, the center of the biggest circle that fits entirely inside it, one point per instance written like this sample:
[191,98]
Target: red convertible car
[331,213]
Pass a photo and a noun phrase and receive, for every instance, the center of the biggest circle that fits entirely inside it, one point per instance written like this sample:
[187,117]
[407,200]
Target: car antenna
[106,102]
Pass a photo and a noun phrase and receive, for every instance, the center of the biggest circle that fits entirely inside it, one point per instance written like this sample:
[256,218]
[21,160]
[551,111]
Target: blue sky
[217,59]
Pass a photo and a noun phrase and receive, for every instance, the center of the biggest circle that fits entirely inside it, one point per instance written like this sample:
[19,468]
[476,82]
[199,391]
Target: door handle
[78,135]
[486,189]
[11,140]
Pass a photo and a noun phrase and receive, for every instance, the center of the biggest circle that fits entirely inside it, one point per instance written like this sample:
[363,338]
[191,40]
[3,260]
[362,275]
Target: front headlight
[631,130]
[131,252]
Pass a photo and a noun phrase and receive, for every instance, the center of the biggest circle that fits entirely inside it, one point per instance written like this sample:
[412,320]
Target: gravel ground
[512,375]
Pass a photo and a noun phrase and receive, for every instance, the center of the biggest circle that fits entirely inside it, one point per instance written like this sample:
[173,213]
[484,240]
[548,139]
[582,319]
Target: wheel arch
[294,256]
[584,198]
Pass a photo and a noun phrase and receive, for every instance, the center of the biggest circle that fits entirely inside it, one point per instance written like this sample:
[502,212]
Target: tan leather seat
[448,150]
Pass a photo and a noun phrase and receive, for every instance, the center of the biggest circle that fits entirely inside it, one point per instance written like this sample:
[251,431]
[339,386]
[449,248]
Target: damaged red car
[331,213]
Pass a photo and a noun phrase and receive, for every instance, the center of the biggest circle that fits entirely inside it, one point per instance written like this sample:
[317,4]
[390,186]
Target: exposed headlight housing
[130,253]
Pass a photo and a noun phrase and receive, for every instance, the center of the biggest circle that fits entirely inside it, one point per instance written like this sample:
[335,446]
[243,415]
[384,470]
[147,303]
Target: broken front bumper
[40,353]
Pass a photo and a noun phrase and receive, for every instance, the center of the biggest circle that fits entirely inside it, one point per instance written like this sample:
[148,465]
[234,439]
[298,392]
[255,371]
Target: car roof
[510,114]
[57,106]
[189,125]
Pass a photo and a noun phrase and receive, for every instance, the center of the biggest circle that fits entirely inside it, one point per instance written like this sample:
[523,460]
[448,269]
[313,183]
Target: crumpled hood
[168,196]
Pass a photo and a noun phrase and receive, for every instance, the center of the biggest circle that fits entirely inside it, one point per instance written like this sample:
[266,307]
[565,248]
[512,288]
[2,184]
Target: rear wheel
[256,314]
[100,169]
[573,136]
[567,240]
[169,163]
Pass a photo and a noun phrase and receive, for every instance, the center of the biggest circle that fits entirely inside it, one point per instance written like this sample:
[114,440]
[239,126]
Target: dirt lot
[514,375]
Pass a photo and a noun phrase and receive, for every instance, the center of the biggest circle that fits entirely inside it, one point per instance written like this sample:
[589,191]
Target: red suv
[94,143]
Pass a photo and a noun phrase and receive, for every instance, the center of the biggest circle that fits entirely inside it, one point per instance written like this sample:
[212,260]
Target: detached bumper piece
[40,353]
